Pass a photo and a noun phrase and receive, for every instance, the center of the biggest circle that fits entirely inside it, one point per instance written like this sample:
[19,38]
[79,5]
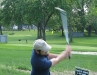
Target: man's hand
[68,51]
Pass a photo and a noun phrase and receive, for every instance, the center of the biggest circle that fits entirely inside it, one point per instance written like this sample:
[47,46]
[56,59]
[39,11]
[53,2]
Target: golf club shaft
[65,27]
[64,21]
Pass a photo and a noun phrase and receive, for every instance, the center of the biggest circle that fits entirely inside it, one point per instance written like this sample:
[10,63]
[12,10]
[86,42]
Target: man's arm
[50,55]
[61,56]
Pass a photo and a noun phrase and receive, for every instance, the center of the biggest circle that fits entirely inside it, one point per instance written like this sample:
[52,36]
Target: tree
[0,22]
[42,11]
[13,11]
[91,17]
[18,11]
[92,21]
[6,12]
[1,16]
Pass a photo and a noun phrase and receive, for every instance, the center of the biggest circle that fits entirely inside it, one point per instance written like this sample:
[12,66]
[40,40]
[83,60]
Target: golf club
[64,21]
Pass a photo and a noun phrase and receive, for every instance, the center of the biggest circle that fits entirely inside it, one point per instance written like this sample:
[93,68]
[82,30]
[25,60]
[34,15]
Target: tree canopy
[81,14]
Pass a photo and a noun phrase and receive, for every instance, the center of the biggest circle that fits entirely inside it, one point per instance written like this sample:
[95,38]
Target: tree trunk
[82,16]
[20,27]
[89,30]
[0,30]
[40,31]
[44,36]
[70,33]
[83,23]
[62,31]
[29,27]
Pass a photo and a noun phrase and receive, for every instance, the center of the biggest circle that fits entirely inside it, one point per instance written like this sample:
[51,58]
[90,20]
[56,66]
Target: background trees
[1,17]
[81,15]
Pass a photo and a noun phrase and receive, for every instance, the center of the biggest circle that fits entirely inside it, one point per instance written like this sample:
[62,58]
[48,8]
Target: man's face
[44,53]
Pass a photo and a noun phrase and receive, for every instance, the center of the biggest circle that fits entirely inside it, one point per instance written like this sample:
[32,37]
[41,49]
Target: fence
[77,34]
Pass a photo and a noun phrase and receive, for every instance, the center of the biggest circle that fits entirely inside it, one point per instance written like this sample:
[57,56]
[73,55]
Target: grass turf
[16,54]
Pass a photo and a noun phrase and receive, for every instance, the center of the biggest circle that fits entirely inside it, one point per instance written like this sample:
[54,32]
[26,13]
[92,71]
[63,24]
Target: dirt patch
[84,53]
[63,73]
[70,73]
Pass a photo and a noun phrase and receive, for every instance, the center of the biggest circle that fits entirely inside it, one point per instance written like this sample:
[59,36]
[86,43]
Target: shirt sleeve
[46,64]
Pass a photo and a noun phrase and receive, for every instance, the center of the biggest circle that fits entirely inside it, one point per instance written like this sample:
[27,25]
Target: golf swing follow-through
[42,60]
[64,21]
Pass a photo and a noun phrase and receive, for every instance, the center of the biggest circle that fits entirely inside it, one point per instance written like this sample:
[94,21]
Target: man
[42,60]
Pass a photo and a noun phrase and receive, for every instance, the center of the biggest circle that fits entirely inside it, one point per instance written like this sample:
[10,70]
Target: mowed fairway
[15,55]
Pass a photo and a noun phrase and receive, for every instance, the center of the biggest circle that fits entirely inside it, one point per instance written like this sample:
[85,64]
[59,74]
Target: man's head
[41,45]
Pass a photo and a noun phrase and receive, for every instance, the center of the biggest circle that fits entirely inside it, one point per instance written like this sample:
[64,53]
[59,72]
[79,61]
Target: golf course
[16,53]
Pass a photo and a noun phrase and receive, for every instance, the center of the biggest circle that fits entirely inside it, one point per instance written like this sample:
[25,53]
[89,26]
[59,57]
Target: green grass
[7,71]
[84,61]
[15,55]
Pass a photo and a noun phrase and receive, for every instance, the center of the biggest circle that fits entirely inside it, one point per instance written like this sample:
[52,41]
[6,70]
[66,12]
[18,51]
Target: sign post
[80,71]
